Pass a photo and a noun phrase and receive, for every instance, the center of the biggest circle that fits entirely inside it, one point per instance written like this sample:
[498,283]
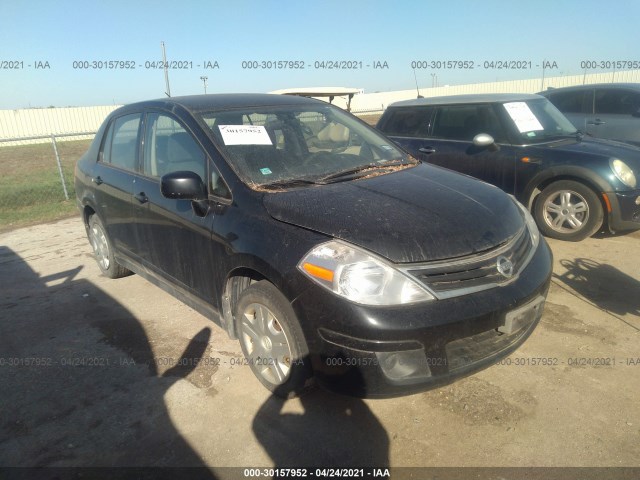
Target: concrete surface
[90,374]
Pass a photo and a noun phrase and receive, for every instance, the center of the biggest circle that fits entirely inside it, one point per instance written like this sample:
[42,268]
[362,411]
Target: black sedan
[328,252]
[574,185]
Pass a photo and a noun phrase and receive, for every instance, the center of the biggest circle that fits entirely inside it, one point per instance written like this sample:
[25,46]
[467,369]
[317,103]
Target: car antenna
[166,70]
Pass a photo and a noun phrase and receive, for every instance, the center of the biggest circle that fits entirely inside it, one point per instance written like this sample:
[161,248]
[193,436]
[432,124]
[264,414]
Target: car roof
[612,86]
[466,99]
[225,101]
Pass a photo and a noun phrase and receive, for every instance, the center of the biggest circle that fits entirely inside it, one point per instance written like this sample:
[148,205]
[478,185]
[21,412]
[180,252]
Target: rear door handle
[427,150]
[141,197]
[97,180]
[597,121]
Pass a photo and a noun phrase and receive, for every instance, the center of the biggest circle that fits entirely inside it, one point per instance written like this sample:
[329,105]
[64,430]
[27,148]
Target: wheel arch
[577,174]
[235,283]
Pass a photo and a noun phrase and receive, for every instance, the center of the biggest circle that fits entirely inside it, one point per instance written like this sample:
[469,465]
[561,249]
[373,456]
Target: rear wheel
[272,340]
[568,210]
[103,250]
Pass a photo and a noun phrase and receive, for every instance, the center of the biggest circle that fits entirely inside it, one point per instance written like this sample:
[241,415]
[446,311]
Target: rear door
[616,115]
[113,177]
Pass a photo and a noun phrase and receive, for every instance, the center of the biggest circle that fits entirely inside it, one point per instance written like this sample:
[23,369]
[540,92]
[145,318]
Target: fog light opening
[405,366]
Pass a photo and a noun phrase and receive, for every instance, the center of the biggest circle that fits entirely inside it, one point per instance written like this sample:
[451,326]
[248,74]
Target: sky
[58,53]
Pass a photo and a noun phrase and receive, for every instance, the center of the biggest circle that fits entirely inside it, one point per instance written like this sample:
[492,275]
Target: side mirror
[183,185]
[484,140]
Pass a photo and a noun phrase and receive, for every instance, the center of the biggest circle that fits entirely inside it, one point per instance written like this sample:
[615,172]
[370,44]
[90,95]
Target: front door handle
[141,197]
[427,150]
[97,180]
[597,121]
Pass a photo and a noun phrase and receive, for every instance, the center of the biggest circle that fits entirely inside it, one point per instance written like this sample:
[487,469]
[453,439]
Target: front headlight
[623,173]
[360,276]
[531,224]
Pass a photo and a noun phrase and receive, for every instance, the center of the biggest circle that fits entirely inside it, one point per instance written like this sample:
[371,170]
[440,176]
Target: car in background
[521,143]
[303,232]
[610,110]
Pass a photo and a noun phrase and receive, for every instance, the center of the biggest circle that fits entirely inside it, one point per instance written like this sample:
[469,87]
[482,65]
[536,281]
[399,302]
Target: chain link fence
[36,179]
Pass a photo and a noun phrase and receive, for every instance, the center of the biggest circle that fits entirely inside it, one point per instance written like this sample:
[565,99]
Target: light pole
[204,82]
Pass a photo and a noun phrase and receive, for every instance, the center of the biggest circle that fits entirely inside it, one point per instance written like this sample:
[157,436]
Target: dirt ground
[99,372]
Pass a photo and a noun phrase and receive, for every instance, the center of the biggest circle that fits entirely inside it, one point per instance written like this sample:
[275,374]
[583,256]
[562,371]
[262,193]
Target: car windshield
[300,145]
[538,121]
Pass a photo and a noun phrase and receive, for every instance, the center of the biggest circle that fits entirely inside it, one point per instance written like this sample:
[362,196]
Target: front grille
[476,272]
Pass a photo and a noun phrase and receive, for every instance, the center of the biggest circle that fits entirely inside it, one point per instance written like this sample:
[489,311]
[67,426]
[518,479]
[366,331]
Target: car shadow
[80,382]
[602,284]
[332,431]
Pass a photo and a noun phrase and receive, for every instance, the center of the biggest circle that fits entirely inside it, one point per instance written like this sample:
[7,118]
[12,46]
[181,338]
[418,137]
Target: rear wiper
[355,170]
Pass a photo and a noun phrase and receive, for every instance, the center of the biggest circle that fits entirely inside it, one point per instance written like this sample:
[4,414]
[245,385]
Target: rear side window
[408,122]
[573,102]
[463,122]
[621,102]
[121,142]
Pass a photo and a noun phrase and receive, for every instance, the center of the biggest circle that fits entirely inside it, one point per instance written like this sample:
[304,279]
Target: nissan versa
[574,185]
[329,253]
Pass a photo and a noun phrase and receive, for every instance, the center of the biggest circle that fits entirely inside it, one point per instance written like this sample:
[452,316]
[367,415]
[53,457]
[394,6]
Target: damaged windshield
[300,145]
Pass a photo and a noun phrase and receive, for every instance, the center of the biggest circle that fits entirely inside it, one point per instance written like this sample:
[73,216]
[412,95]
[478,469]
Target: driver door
[450,144]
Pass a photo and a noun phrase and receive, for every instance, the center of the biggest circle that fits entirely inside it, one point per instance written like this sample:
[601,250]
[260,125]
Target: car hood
[418,214]
[589,146]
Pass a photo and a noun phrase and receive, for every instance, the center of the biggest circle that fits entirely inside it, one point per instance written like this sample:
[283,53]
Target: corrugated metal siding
[371,102]
[48,121]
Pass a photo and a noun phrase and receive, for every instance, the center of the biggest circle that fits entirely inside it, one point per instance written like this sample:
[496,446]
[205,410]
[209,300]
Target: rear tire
[272,340]
[568,210]
[103,249]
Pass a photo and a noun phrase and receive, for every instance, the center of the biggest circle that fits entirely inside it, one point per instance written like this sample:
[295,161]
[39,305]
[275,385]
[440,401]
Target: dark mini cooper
[573,184]
[328,252]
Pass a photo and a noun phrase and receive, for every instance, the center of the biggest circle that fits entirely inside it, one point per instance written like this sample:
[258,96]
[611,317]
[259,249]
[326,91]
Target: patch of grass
[30,187]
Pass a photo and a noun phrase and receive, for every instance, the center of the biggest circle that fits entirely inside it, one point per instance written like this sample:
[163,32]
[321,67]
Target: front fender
[585,175]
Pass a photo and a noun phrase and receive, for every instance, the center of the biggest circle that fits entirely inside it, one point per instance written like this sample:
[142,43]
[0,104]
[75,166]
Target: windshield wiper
[350,172]
[291,182]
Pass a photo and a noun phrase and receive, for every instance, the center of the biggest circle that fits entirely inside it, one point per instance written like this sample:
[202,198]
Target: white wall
[47,121]
[35,122]
[380,101]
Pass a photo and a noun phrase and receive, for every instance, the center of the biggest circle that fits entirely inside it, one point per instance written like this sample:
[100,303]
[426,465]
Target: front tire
[103,250]
[272,340]
[568,210]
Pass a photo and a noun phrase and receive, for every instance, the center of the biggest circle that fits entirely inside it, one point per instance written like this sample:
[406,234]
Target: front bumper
[625,210]
[388,351]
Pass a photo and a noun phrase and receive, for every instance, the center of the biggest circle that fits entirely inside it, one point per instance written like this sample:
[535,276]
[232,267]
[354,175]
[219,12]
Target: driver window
[170,148]
[466,121]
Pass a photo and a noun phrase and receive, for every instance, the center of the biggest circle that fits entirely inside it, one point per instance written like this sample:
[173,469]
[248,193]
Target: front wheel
[272,340]
[568,210]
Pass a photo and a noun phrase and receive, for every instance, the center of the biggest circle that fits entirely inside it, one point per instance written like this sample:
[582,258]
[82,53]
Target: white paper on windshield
[244,135]
[523,117]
